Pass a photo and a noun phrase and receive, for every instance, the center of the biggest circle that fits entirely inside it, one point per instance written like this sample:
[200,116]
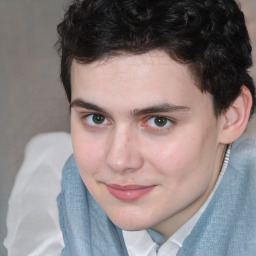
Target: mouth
[128,192]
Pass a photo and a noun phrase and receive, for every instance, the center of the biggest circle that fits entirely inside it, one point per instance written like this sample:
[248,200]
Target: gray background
[31,98]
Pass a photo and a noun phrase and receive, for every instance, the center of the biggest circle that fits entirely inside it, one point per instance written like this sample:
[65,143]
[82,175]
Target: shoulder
[243,153]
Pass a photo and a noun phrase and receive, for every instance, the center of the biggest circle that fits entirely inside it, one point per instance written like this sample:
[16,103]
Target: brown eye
[160,121]
[98,119]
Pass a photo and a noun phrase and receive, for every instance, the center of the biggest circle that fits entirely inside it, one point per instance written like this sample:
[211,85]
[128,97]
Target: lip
[128,192]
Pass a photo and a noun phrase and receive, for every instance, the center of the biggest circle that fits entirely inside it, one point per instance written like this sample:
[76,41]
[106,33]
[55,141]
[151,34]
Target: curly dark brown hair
[209,36]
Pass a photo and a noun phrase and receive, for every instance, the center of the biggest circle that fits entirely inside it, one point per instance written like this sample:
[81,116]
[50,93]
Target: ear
[236,117]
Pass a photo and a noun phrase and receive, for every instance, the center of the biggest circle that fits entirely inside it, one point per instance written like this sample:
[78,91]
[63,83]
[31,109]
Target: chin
[129,223]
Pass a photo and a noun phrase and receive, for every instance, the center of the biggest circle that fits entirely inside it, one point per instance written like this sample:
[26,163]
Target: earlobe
[236,117]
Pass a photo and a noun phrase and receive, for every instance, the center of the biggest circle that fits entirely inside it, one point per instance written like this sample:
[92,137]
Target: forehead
[153,77]
[156,59]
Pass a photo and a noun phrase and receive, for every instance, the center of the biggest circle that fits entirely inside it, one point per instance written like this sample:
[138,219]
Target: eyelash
[169,122]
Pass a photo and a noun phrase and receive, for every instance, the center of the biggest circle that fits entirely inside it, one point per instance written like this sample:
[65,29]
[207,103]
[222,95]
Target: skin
[180,157]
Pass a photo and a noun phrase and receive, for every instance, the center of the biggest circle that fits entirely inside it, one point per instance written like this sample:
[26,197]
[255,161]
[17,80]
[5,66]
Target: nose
[123,153]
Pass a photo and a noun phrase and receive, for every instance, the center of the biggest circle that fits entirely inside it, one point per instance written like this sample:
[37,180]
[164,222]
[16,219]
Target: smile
[129,192]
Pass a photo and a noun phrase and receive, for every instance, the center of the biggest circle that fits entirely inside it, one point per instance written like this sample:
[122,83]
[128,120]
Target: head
[157,90]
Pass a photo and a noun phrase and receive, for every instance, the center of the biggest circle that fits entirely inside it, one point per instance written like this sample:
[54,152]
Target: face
[145,139]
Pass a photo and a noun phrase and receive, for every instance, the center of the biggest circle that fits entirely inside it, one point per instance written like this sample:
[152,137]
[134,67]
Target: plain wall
[32,100]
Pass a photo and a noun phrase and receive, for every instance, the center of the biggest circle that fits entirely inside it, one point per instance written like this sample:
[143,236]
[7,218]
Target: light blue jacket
[226,228]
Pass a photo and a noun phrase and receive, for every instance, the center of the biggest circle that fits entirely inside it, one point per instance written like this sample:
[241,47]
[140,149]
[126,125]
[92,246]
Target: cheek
[88,152]
[184,156]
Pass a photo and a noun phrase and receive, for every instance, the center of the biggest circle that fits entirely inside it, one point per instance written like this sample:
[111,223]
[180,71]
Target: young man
[158,91]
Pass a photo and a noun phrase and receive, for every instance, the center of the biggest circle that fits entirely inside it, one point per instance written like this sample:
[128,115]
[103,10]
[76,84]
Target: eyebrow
[83,104]
[159,108]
